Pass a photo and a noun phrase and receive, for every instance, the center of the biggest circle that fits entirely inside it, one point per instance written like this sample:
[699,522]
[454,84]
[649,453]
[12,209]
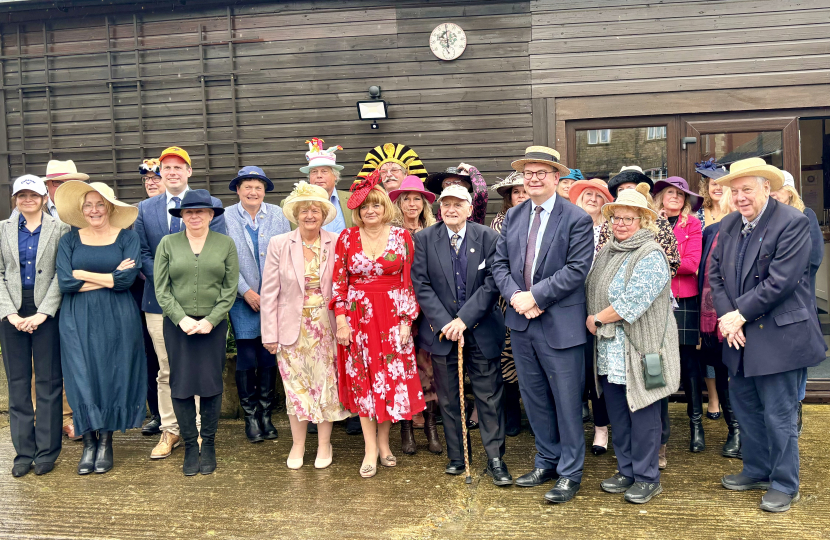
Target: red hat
[360,189]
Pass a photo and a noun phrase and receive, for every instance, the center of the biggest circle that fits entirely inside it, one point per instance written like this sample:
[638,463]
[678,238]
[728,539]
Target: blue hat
[576,174]
[251,173]
[196,198]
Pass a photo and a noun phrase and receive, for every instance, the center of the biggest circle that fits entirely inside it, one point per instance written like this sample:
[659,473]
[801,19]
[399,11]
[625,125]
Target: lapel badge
[472,250]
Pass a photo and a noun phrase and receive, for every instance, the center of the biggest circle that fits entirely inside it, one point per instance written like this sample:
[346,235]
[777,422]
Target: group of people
[579,291]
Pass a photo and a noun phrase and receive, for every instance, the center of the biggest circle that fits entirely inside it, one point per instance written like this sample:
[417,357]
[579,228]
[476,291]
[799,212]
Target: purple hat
[682,185]
[412,183]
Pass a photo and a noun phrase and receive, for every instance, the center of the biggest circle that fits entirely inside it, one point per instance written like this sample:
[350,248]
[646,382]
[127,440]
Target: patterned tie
[530,252]
[176,223]
[454,242]
[747,230]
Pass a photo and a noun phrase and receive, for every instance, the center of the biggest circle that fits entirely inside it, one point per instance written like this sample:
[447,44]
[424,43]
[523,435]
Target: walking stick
[469,479]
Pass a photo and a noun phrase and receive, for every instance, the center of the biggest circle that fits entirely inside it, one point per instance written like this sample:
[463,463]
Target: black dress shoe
[21,469]
[739,482]
[472,424]
[454,468]
[103,456]
[87,463]
[563,491]
[713,415]
[642,492]
[619,483]
[778,501]
[498,470]
[152,427]
[43,468]
[536,477]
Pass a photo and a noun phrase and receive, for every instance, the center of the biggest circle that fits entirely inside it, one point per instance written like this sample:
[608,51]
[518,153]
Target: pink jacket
[283,285]
[690,246]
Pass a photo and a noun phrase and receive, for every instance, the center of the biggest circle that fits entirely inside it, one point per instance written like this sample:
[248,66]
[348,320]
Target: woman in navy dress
[102,349]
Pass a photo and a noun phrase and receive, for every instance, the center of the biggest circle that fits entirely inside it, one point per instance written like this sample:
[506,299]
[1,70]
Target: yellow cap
[176,151]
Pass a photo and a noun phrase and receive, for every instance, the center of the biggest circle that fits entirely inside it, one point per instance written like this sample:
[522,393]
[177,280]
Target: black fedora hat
[628,176]
[435,181]
[194,199]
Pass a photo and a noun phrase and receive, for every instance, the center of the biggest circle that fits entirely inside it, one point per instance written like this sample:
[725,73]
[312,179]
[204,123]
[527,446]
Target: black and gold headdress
[395,153]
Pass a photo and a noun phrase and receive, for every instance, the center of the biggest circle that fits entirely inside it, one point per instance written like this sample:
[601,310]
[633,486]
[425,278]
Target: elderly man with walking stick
[454,285]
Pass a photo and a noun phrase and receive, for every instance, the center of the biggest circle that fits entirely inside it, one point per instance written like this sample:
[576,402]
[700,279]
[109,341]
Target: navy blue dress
[102,348]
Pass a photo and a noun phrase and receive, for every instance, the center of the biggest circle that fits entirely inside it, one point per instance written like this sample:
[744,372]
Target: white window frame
[599,136]
[655,133]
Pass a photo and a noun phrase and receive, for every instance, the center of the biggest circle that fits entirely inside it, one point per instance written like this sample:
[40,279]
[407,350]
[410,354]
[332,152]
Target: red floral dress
[377,378]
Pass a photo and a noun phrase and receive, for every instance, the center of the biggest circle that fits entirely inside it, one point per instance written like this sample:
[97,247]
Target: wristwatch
[597,322]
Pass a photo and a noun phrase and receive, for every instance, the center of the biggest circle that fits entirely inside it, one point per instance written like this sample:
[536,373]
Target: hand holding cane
[468,479]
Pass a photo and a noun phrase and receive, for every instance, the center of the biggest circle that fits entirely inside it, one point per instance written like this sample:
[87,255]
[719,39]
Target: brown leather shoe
[431,430]
[69,431]
[166,444]
[408,445]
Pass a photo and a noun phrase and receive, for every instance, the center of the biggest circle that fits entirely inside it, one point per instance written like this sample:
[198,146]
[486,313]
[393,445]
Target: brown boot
[408,445]
[431,430]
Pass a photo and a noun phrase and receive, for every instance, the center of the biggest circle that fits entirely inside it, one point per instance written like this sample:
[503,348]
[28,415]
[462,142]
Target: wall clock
[448,41]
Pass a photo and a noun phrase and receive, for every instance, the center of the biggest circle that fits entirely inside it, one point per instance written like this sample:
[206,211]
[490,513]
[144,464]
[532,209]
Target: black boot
[103,457]
[692,386]
[185,410]
[267,396]
[210,422]
[87,463]
[430,428]
[246,386]
[408,445]
[732,447]
[512,410]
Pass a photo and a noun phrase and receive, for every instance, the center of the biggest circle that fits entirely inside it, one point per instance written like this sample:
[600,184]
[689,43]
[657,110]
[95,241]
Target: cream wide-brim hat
[753,167]
[305,192]
[69,198]
[629,198]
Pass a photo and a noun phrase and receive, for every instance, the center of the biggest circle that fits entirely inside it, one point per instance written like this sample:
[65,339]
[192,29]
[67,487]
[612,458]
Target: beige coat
[283,285]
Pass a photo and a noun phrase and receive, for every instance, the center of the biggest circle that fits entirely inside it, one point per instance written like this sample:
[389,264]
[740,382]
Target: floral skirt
[309,367]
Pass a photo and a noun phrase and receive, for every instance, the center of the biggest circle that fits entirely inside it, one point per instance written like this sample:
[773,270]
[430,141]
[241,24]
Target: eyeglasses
[88,207]
[627,221]
[151,179]
[391,170]
[539,174]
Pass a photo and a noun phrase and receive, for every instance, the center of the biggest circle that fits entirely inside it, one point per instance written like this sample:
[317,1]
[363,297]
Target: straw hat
[630,198]
[506,185]
[754,167]
[63,170]
[594,183]
[412,184]
[69,197]
[305,192]
[540,154]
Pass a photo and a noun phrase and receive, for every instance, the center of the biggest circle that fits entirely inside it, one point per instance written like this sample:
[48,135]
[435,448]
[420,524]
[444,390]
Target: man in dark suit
[153,224]
[543,256]
[760,279]
[453,280]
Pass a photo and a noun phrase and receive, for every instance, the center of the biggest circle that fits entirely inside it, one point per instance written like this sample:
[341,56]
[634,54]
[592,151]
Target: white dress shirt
[172,204]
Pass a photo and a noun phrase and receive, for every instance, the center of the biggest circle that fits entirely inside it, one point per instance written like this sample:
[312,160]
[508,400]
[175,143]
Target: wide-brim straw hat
[541,154]
[69,198]
[506,185]
[754,167]
[63,170]
[630,198]
[305,192]
[412,184]
[594,183]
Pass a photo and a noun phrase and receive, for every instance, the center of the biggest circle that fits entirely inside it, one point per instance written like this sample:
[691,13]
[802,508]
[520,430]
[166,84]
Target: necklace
[372,245]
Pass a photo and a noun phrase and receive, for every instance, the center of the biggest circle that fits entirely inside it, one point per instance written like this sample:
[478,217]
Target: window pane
[624,146]
[728,148]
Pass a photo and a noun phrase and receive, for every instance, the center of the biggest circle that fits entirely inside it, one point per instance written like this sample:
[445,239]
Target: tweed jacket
[283,288]
[271,222]
[47,293]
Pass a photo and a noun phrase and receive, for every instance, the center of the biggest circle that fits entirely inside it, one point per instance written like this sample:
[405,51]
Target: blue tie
[176,223]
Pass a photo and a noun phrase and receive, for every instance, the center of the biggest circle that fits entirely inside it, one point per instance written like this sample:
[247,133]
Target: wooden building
[247,82]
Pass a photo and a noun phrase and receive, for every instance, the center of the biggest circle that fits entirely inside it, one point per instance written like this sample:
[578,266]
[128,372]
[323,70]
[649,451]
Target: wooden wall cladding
[613,47]
[247,85]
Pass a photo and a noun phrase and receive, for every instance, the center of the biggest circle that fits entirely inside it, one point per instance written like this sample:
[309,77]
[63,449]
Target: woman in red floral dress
[375,305]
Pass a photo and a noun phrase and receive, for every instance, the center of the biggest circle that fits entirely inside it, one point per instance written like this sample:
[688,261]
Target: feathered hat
[361,187]
[394,153]
[317,157]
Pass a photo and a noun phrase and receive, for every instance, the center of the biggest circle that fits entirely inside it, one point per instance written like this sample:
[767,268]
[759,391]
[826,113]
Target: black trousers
[250,354]
[488,386]
[39,442]
[600,412]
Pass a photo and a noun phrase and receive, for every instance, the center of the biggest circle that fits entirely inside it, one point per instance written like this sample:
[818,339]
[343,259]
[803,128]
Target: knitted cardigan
[646,331]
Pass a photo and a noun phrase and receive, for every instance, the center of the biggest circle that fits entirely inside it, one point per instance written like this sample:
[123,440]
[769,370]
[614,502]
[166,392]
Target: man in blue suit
[760,279]
[152,224]
[543,256]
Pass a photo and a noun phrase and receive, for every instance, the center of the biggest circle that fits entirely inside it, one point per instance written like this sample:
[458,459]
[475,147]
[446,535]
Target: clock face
[448,41]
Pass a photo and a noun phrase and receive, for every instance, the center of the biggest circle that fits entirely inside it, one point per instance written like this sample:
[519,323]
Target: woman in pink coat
[676,203]
[297,325]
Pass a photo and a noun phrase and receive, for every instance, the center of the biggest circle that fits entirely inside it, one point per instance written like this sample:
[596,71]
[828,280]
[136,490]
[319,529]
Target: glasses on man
[151,179]
[539,174]
[391,171]
[627,221]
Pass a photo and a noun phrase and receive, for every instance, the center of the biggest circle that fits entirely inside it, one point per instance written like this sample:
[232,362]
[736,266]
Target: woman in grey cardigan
[629,300]
[251,224]
[29,301]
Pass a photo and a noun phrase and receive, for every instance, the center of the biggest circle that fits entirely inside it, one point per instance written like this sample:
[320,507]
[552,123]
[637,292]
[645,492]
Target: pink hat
[409,184]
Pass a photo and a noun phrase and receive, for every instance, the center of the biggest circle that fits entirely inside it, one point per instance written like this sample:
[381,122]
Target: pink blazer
[283,285]
[690,246]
